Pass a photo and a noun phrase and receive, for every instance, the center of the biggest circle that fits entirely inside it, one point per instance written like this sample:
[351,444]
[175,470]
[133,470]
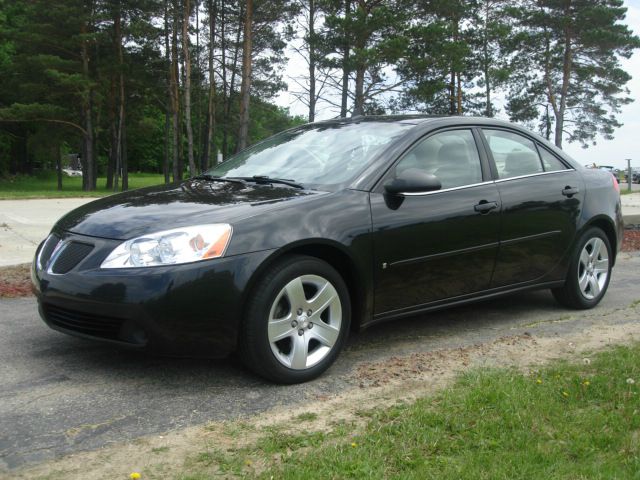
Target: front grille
[49,246]
[71,255]
[85,323]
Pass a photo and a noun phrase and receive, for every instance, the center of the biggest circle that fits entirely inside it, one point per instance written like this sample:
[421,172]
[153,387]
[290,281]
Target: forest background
[165,86]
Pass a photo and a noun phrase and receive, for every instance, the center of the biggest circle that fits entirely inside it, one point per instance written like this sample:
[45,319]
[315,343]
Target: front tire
[589,272]
[297,320]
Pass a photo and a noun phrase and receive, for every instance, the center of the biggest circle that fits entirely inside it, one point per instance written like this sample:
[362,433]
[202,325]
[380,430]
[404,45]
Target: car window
[550,162]
[513,154]
[451,156]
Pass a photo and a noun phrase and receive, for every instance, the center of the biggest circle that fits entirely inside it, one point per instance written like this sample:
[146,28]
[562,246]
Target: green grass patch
[566,421]
[44,185]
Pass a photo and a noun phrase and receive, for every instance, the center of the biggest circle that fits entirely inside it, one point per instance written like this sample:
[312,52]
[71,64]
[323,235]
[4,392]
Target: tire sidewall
[255,330]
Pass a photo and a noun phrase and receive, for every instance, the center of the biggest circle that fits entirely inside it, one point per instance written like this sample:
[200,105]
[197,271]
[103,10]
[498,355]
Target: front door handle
[569,191]
[485,206]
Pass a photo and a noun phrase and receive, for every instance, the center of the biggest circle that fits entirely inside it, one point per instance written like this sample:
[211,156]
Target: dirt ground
[15,281]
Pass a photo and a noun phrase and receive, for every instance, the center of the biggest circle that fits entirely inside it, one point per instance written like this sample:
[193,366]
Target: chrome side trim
[450,253]
[539,174]
[530,237]
[452,189]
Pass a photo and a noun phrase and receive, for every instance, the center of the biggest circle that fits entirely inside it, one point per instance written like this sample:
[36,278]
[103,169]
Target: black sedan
[280,251]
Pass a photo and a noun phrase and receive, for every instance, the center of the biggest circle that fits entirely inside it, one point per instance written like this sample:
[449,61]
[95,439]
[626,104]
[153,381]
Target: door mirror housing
[413,180]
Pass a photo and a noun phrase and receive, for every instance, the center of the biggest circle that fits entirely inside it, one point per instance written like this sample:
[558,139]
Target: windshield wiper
[267,179]
[212,178]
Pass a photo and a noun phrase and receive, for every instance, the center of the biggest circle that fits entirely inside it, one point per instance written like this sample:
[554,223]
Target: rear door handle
[485,207]
[569,191]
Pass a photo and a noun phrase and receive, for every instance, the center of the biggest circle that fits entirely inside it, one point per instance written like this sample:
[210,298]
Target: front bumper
[191,309]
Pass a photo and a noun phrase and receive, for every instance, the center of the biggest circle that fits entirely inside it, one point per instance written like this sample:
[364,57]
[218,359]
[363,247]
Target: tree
[368,38]
[245,89]
[573,50]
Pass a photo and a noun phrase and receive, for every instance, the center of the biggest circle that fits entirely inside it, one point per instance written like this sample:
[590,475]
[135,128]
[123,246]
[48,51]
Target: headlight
[170,247]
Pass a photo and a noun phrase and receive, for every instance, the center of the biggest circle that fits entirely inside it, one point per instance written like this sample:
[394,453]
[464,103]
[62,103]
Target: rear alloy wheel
[589,272]
[297,321]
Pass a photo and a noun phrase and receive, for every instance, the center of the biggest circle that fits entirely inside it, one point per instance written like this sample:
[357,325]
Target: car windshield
[316,155]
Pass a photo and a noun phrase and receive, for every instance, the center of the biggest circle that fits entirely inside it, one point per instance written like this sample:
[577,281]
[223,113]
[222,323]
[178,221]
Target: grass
[566,421]
[44,185]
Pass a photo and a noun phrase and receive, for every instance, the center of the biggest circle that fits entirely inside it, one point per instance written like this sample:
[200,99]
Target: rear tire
[297,320]
[589,272]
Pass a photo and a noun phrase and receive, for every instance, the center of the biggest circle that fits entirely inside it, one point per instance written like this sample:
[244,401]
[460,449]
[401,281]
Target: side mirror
[413,180]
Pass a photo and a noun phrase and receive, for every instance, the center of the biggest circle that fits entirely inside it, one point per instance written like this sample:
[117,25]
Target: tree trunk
[567,66]
[112,133]
[187,85]
[211,110]
[169,103]
[485,63]
[59,166]
[452,92]
[345,64]
[459,95]
[88,173]
[175,98]
[197,153]
[120,166]
[223,65]
[358,106]
[312,61]
[125,162]
[245,88]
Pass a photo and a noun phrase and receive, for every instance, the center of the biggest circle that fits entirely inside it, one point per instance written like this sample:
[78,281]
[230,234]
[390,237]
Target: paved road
[25,223]
[60,394]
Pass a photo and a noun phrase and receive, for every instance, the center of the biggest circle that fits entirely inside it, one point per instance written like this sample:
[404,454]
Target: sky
[626,142]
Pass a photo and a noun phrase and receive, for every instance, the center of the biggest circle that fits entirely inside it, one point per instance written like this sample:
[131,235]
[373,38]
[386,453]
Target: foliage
[568,68]
[107,78]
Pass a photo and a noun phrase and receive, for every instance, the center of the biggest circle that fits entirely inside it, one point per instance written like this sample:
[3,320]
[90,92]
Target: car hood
[192,202]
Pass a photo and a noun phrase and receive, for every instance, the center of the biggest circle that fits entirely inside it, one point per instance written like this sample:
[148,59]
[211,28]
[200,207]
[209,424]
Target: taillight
[616,185]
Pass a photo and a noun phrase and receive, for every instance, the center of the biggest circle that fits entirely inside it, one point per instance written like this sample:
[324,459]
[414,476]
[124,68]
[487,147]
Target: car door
[441,244]
[541,199]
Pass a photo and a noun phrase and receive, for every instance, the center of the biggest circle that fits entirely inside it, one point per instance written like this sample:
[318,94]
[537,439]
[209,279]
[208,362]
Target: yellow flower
[134,476]
[586,383]
[539,381]
[354,444]
[565,394]
[248,462]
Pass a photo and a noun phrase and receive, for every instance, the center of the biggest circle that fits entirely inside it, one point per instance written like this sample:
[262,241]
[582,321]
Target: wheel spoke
[325,334]
[602,266]
[298,353]
[594,285]
[584,257]
[325,296]
[279,329]
[295,293]
[584,281]
[595,250]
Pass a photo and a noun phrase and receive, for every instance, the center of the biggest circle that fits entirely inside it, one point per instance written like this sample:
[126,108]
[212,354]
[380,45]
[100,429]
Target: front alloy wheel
[297,320]
[305,321]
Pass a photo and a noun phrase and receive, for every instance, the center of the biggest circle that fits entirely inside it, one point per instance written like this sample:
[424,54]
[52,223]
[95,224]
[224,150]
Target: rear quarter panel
[602,204]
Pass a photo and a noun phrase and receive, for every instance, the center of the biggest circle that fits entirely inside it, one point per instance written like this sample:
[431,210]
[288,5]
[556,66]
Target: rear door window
[550,162]
[514,155]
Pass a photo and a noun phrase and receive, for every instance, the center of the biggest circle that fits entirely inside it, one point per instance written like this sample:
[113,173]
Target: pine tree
[571,69]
